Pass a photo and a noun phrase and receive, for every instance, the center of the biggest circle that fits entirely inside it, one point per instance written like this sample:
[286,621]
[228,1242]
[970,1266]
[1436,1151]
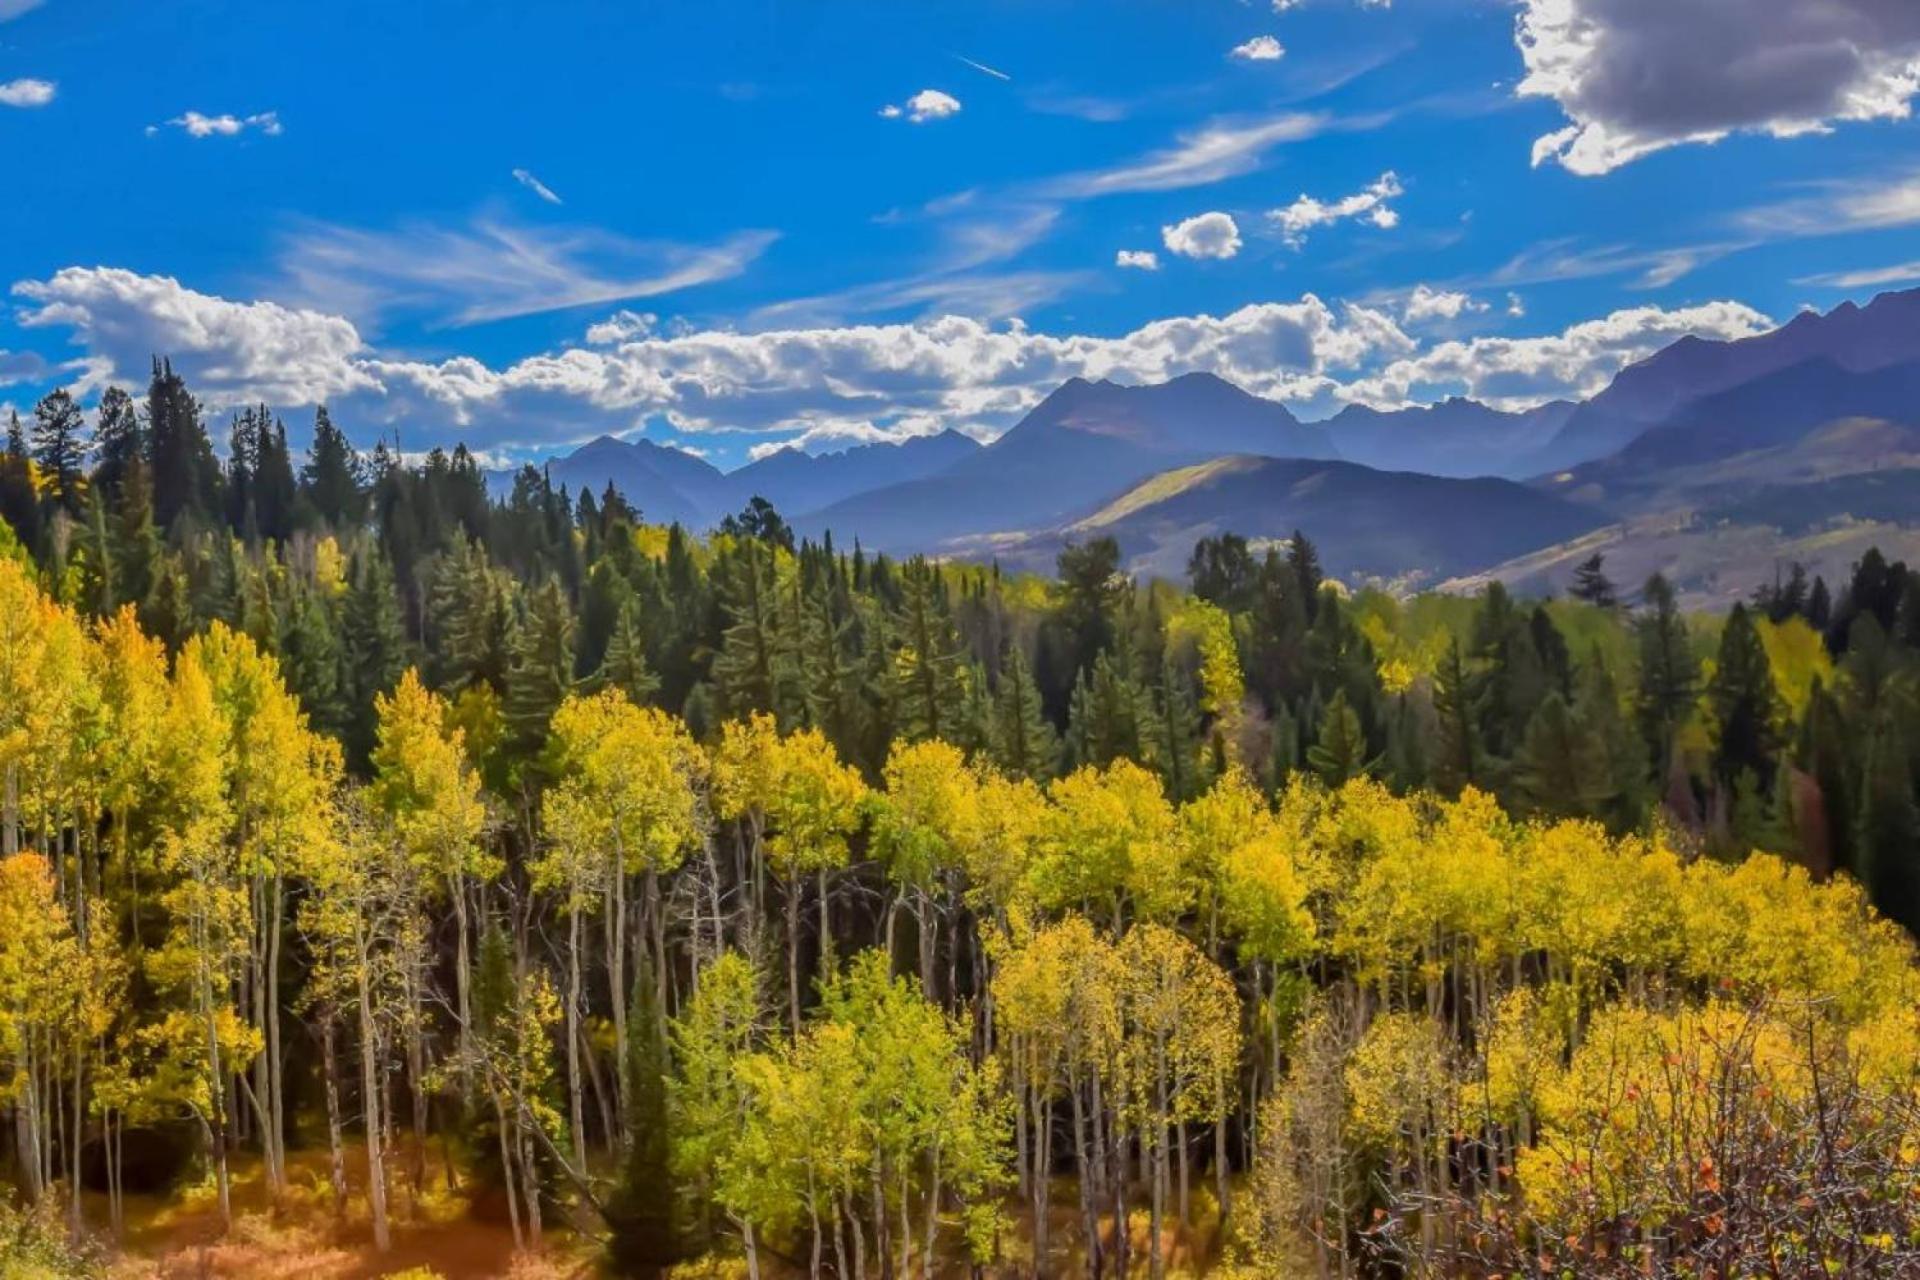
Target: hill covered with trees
[760,906]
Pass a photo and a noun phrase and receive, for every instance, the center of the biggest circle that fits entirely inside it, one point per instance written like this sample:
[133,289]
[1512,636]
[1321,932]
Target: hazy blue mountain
[1456,437]
[796,482]
[1075,449]
[1856,339]
[664,483]
[669,484]
[1368,523]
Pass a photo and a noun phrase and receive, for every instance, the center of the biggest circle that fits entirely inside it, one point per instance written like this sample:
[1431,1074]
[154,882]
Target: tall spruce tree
[60,449]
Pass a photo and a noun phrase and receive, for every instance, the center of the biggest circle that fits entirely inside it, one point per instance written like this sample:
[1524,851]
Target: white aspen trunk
[371,1100]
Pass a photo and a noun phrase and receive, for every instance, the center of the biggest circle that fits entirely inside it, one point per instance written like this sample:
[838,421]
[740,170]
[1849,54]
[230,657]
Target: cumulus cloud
[622,326]
[1634,77]
[1515,306]
[1259,49]
[830,384]
[526,179]
[196,125]
[846,383]
[926,105]
[258,350]
[1138,259]
[1205,235]
[1518,373]
[493,270]
[1428,303]
[1368,205]
[27,93]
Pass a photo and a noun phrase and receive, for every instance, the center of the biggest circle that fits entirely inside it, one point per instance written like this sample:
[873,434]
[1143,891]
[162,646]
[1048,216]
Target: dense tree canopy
[744,896]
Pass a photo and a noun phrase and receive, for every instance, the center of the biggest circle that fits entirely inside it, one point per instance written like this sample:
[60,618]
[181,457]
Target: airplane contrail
[983,68]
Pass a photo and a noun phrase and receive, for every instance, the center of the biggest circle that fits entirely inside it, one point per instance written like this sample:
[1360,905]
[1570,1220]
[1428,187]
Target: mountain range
[1707,460]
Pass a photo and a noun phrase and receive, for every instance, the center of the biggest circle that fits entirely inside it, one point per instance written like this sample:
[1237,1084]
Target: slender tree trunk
[372,1095]
[793,955]
[336,1147]
[506,1170]
[576,1112]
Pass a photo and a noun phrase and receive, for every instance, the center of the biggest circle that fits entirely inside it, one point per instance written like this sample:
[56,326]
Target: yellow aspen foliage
[427,785]
[1110,839]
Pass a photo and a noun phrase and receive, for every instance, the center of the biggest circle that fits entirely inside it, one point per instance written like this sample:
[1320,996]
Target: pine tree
[310,658]
[1745,704]
[751,671]
[1175,743]
[928,660]
[373,648]
[1597,708]
[645,1240]
[60,449]
[1339,753]
[186,476]
[625,665]
[1303,559]
[1591,584]
[542,671]
[1887,832]
[333,476]
[1024,742]
[119,439]
[1561,770]
[1668,673]
[1457,761]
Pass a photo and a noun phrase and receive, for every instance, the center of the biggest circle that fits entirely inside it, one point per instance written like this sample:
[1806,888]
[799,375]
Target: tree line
[523,844]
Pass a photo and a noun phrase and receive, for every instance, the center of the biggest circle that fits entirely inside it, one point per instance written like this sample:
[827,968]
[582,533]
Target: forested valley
[378,856]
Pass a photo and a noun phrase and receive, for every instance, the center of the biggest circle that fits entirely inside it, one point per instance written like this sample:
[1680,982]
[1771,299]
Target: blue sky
[735,225]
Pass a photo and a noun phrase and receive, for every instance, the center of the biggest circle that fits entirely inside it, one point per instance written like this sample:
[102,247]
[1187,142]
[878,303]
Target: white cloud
[1259,49]
[926,105]
[1219,150]
[1867,278]
[1369,205]
[27,93]
[1138,259]
[1634,77]
[1842,206]
[250,349]
[1205,235]
[832,383]
[1517,373]
[844,384]
[526,179]
[622,326]
[1427,303]
[196,125]
[1515,306]
[493,270]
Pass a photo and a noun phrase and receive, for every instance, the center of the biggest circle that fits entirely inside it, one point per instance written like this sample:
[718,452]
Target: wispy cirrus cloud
[1832,207]
[492,269]
[526,179]
[1216,151]
[1864,277]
